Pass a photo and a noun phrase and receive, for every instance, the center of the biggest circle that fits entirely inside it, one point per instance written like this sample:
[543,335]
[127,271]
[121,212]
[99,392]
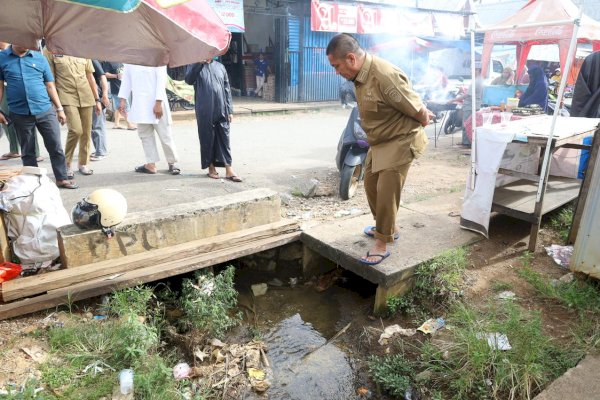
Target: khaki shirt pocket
[419,144]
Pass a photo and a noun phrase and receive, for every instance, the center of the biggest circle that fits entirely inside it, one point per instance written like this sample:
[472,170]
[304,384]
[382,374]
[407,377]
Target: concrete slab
[581,382]
[168,226]
[426,230]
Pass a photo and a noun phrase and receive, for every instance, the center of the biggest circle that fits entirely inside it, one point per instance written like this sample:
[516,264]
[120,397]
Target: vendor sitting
[507,77]
[537,91]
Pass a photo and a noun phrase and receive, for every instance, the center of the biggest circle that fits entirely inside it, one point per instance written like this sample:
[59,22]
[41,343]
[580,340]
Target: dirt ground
[442,170]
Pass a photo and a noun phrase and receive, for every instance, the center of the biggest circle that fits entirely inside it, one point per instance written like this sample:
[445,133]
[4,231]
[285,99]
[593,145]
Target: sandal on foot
[213,176]
[84,170]
[174,170]
[233,178]
[67,185]
[142,169]
[381,258]
[8,156]
[370,232]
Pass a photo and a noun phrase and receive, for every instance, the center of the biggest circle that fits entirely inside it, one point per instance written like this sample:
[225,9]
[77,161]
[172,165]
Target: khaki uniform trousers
[79,121]
[383,190]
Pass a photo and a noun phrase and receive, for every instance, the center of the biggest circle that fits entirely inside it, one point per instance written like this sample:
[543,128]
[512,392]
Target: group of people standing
[44,90]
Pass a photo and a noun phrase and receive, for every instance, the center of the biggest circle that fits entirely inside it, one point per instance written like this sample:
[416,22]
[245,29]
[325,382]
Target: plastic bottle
[126,381]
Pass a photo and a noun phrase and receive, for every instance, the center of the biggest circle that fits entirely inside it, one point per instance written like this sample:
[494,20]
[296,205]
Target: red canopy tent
[559,16]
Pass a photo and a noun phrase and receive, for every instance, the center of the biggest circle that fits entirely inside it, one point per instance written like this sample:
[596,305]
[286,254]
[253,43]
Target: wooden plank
[585,188]
[521,195]
[105,284]
[5,252]
[23,287]
[521,175]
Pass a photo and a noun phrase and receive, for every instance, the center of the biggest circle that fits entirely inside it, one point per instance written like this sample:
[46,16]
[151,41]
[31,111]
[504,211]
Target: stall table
[521,168]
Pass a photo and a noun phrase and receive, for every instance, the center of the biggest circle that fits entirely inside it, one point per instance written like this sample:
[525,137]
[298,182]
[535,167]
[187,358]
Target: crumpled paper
[391,331]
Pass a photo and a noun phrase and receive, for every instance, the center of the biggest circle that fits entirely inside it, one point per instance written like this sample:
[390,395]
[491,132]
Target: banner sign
[362,18]
[231,13]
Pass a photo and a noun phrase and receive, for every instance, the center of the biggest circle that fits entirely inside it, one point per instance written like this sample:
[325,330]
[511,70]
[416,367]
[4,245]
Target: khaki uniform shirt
[387,106]
[71,79]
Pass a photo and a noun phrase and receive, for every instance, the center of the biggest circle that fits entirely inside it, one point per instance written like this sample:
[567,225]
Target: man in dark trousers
[31,93]
[98,127]
[393,116]
[214,112]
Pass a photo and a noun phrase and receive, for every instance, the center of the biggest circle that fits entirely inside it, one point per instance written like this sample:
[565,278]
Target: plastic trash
[560,254]
[507,295]
[432,325]
[393,329]
[181,371]
[9,271]
[496,341]
[126,381]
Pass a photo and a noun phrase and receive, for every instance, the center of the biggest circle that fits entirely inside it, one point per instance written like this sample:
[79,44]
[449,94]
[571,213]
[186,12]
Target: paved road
[267,150]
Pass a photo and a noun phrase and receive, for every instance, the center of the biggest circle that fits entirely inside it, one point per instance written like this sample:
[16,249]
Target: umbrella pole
[473,112]
[563,82]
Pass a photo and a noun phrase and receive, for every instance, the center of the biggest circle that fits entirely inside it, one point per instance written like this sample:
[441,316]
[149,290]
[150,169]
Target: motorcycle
[454,120]
[351,154]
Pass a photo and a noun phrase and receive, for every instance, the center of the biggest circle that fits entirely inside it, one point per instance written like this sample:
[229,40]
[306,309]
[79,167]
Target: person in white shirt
[150,111]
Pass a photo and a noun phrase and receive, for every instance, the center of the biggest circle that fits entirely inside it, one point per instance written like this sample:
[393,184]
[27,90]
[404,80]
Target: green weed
[441,279]
[404,304]
[526,259]
[561,221]
[131,301]
[393,372]
[208,302]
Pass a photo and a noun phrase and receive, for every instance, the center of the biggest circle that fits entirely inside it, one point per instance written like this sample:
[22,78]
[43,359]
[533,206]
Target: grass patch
[561,220]
[437,282]
[458,188]
[579,295]
[89,355]
[476,370]
[500,286]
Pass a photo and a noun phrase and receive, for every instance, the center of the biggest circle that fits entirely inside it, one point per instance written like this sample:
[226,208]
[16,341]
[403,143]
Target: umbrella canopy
[143,32]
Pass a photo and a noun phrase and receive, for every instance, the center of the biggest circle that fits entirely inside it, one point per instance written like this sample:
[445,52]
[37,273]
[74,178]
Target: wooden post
[397,289]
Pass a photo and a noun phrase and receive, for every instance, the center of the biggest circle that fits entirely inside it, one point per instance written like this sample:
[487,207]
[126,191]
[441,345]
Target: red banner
[369,19]
[334,17]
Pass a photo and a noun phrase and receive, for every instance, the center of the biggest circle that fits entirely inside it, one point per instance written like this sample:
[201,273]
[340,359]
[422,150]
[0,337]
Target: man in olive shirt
[393,116]
[79,96]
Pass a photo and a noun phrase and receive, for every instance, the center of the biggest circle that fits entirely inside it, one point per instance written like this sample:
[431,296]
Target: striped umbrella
[143,32]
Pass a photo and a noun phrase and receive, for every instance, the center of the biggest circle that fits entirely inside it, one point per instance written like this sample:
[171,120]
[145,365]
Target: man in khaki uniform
[79,96]
[393,116]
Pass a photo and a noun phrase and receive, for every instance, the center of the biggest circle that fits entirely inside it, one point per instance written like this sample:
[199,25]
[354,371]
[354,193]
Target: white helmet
[103,208]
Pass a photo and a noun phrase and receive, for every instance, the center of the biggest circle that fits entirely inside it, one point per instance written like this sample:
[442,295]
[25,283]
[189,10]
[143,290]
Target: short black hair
[342,44]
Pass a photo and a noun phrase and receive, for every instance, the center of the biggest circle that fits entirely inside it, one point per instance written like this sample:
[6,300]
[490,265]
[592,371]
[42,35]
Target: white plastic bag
[34,210]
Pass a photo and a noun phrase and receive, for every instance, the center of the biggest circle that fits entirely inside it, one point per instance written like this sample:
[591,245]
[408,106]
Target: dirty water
[296,324]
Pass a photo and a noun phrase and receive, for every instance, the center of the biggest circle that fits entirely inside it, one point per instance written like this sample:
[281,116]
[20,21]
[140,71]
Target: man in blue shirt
[30,92]
[261,67]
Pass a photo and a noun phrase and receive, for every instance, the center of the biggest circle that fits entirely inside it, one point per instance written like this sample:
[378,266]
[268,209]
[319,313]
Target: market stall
[554,20]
